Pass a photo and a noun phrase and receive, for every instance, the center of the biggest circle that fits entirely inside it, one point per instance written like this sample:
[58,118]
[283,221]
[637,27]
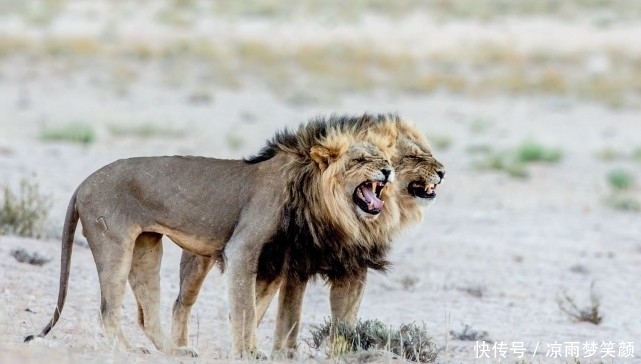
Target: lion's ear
[321,156]
[326,155]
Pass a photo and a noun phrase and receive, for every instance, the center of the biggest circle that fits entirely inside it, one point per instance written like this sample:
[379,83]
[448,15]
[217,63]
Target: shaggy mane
[301,139]
[312,239]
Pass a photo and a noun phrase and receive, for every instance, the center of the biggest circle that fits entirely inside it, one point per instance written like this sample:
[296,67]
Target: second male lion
[307,187]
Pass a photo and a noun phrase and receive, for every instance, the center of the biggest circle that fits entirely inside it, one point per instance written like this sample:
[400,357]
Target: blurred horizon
[577,50]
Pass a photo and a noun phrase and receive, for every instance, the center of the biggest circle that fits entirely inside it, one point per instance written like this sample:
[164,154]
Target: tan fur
[221,212]
[413,161]
[397,139]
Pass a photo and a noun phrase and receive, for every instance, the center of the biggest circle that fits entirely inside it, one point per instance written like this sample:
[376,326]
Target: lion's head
[419,173]
[354,173]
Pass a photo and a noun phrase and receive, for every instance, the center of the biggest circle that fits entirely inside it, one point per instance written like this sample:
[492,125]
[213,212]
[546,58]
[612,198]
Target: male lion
[418,175]
[254,217]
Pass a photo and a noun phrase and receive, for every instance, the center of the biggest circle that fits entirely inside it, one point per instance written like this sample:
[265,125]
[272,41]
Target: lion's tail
[68,231]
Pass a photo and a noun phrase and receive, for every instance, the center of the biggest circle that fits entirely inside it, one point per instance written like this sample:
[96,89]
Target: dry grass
[24,212]
[590,313]
[348,66]
[374,338]
[468,9]
[467,333]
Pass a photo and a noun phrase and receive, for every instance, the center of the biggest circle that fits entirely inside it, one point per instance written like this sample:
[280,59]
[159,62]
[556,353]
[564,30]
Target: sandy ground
[494,252]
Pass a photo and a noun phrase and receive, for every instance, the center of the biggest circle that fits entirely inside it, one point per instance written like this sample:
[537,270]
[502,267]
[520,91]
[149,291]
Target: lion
[418,175]
[313,199]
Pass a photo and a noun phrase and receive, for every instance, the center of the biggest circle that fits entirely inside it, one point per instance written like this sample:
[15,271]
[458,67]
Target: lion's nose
[386,172]
[441,174]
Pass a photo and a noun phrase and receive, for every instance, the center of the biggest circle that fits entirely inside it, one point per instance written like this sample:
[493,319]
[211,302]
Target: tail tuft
[29,338]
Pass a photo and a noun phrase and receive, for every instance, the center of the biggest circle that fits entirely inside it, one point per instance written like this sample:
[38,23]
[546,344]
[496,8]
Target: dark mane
[308,244]
[294,140]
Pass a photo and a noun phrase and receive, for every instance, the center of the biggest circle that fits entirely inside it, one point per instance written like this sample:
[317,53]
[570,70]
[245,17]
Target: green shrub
[620,179]
[76,132]
[531,151]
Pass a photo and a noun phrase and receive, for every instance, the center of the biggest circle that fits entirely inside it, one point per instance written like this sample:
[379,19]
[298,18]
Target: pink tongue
[374,202]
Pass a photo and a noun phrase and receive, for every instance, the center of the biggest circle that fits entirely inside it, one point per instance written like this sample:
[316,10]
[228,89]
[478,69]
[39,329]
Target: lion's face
[357,174]
[367,173]
[419,173]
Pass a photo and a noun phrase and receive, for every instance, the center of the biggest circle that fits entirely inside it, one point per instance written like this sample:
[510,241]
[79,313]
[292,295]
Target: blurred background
[532,105]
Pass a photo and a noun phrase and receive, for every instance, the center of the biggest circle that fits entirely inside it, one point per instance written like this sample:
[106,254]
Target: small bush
[469,334]
[531,151]
[620,179]
[409,341]
[25,212]
[589,314]
[76,132]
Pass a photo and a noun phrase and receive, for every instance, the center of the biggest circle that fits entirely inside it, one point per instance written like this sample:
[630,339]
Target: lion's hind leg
[112,251]
[144,279]
[193,271]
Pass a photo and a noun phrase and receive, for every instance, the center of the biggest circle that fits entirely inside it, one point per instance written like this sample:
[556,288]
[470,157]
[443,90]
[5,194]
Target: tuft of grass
[76,132]
[624,203]
[143,130]
[469,334]
[608,154]
[514,161]
[620,179]
[441,142]
[23,213]
[503,162]
[589,314]
[532,151]
[410,341]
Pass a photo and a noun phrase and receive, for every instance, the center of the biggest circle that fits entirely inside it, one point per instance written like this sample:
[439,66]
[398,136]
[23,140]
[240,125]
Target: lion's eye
[360,160]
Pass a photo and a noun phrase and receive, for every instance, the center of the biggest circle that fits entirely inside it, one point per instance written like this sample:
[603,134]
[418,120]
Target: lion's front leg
[290,303]
[240,270]
[345,298]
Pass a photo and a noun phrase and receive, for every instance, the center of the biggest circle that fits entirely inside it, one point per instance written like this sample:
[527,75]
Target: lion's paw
[185,351]
[282,354]
[255,354]
[139,350]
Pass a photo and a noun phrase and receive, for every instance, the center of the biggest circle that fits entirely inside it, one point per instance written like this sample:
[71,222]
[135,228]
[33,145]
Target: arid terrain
[534,110]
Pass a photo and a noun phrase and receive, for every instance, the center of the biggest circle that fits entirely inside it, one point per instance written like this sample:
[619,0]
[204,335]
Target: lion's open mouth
[422,190]
[367,197]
